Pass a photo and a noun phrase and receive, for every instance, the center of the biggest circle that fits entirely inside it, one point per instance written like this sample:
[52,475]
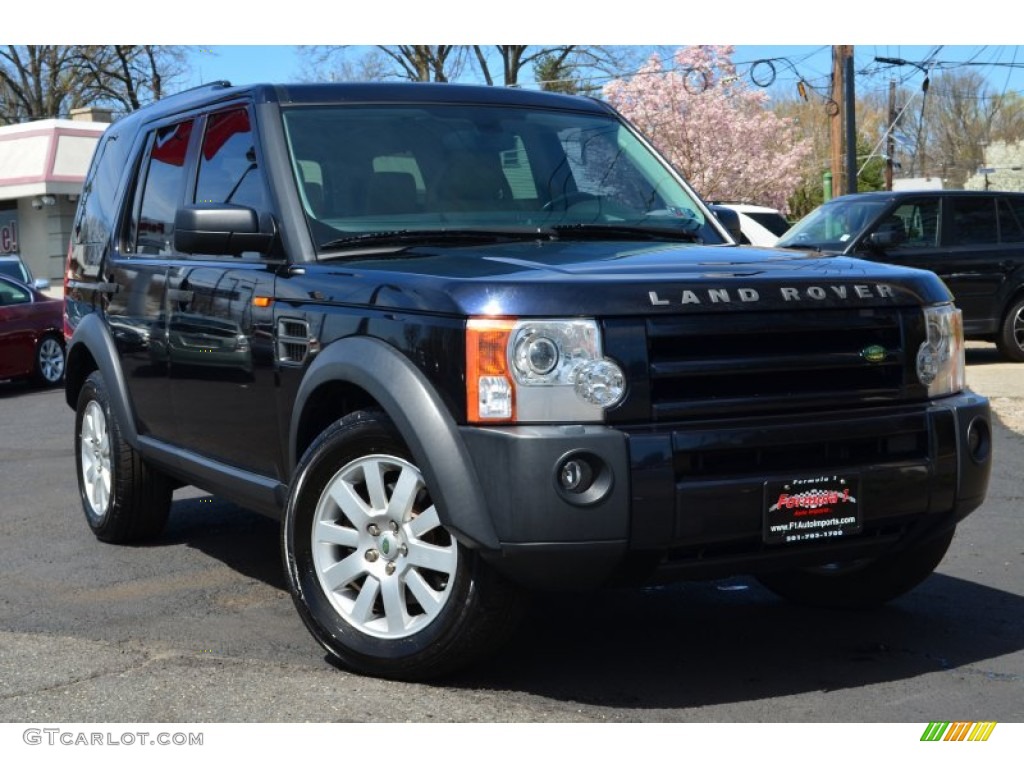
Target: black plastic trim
[248,489]
[93,334]
[422,419]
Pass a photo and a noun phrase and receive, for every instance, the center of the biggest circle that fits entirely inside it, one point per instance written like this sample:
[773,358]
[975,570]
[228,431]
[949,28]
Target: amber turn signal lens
[490,396]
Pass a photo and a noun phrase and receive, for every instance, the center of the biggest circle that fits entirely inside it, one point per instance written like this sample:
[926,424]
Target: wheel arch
[362,372]
[92,348]
[1013,295]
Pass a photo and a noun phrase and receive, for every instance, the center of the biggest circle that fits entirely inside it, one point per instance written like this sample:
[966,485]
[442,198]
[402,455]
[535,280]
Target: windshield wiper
[409,238]
[412,237]
[621,232]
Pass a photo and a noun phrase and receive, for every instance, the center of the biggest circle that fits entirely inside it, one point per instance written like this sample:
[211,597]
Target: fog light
[582,478]
[575,475]
[978,440]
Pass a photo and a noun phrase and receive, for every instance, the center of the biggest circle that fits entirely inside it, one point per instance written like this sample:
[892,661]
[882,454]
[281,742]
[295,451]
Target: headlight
[940,359]
[538,371]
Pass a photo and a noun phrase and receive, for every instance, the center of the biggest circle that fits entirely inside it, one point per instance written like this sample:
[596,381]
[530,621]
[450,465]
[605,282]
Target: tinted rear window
[974,221]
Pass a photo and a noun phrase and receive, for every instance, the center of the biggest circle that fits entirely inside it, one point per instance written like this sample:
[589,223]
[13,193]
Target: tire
[123,498]
[378,580]
[861,584]
[49,369]
[1011,333]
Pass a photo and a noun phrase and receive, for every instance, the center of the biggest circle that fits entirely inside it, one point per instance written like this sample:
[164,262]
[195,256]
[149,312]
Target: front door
[219,340]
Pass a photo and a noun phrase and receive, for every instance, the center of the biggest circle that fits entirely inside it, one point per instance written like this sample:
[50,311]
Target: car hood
[619,278]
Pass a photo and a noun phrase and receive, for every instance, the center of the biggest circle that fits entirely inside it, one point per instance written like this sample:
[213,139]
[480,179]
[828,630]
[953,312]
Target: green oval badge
[874,353]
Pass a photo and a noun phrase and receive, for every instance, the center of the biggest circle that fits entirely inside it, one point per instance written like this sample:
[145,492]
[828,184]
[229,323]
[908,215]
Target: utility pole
[890,140]
[843,121]
[850,120]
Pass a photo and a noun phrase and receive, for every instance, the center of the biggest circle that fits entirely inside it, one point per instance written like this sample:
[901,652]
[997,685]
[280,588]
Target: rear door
[134,302]
[975,255]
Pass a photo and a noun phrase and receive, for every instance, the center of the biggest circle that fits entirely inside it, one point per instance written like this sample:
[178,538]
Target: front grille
[729,451]
[765,362]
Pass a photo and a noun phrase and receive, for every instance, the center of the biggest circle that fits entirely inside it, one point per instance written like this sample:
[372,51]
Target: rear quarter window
[98,208]
[1011,223]
[974,221]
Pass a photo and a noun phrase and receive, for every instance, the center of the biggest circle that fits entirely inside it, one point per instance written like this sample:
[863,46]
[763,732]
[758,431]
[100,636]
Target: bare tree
[128,76]
[514,58]
[587,66]
[37,82]
[810,116]
[43,81]
[419,63]
[961,115]
[422,63]
[334,64]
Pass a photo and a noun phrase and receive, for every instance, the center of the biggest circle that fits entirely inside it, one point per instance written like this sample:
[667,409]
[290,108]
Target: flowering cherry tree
[714,128]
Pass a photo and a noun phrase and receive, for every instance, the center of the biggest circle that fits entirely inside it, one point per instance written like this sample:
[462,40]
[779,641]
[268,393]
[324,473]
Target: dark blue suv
[468,342]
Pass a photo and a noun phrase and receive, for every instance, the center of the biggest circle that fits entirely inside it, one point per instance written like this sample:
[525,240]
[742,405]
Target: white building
[42,169]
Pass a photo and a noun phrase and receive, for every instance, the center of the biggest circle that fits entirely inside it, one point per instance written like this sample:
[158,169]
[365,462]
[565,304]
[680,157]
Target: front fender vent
[294,343]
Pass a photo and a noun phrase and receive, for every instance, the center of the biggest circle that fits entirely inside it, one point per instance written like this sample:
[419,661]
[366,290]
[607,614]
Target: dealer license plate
[812,508]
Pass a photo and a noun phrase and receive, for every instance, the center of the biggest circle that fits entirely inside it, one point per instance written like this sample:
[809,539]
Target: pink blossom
[713,127]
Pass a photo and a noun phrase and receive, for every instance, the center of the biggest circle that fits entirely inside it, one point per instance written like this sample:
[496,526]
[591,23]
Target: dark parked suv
[466,342]
[974,241]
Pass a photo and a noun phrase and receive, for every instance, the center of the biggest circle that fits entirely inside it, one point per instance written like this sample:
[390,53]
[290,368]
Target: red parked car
[31,341]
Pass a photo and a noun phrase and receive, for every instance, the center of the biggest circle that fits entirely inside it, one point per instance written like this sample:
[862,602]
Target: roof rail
[213,84]
[205,86]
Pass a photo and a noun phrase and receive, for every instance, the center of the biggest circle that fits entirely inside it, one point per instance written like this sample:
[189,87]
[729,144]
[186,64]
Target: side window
[163,190]
[12,294]
[1010,229]
[914,224]
[228,171]
[974,221]
[99,195]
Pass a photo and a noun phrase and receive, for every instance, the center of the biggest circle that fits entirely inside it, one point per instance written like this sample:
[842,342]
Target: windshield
[830,227]
[14,269]
[365,169]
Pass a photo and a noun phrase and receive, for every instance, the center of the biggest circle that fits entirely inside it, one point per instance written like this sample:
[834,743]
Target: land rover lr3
[467,342]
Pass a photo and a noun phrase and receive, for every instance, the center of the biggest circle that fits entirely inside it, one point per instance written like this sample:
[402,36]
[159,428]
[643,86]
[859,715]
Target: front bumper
[687,500]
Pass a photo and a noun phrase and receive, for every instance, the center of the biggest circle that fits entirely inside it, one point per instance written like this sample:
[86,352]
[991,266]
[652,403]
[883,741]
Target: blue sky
[249,43]
[1001,65]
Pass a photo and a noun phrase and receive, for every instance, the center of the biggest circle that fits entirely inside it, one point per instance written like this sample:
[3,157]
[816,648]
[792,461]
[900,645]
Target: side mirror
[220,230]
[730,220]
[882,239]
[41,284]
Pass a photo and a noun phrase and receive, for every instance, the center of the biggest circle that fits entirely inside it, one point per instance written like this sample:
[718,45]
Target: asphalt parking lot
[199,627]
